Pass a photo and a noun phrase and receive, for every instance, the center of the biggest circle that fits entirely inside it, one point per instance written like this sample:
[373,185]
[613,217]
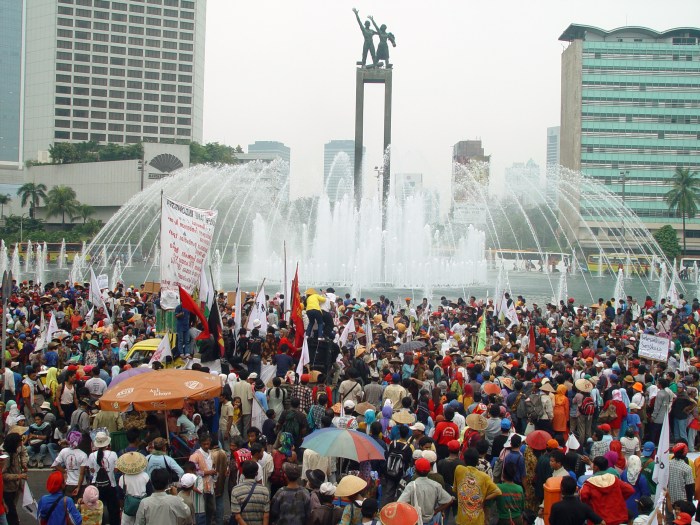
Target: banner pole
[286,297]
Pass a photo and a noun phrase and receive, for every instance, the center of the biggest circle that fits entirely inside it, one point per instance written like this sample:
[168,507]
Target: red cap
[681,448]
[683,519]
[453,446]
[423,465]
[605,427]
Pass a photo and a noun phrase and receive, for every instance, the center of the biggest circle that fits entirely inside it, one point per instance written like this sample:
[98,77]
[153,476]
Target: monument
[378,72]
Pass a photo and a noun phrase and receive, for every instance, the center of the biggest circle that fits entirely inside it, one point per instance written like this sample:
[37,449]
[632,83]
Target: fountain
[116,274]
[45,251]
[62,255]
[216,263]
[129,256]
[78,268]
[40,266]
[28,258]
[4,260]
[619,292]
[15,263]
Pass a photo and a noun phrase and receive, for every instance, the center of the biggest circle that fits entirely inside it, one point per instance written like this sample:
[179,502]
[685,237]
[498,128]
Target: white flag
[512,315]
[390,320]
[207,294]
[572,443]
[304,359]
[237,315]
[96,296]
[52,329]
[525,362]
[162,351]
[90,317]
[347,330]
[661,469]
[28,501]
[259,312]
[683,365]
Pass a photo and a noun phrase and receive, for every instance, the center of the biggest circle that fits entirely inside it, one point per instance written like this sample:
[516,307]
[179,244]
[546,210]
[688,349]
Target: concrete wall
[40,68]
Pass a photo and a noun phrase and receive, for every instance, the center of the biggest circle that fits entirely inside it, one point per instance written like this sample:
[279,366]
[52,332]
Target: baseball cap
[188,480]
[648,449]
[605,427]
[505,424]
[418,426]
[422,465]
[453,446]
[350,404]
[254,375]
[681,448]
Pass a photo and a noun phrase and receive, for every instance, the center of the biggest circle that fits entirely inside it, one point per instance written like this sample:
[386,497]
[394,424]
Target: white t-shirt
[67,394]
[135,484]
[109,461]
[71,459]
[96,386]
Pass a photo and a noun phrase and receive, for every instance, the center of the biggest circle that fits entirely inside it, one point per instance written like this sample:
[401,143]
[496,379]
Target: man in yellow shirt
[313,311]
[473,489]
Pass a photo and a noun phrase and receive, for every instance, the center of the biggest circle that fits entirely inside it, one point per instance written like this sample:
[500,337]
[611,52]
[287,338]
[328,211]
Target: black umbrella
[411,346]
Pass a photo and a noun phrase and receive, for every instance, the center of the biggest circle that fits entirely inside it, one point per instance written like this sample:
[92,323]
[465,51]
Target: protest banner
[653,347]
[185,238]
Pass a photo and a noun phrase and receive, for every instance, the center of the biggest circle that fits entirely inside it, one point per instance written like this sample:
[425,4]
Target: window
[98,114]
[98,125]
[133,62]
[150,53]
[86,13]
[185,57]
[62,112]
[150,31]
[187,25]
[136,8]
[66,22]
[167,44]
[98,137]
[133,117]
[184,100]
[187,68]
[152,75]
[135,30]
[186,36]
[119,6]
[62,44]
[170,23]
[113,104]
[150,129]
[80,136]
[136,52]
[184,111]
[187,4]
[79,68]
[153,21]
[118,50]
[99,92]
[132,139]
[63,78]
[118,17]
[116,138]
[134,73]
[84,24]
[116,116]
[116,94]
[168,55]
[81,91]
[170,34]
[152,43]
[171,3]
[115,82]
[102,15]
[96,81]
[168,87]
[184,89]
[150,96]
[186,47]
[134,84]
[81,57]
[65,101]
[134,95]
[170,77]
[167,131]
[82,35]
[99,103]
[100,37]
[62,123]
[183,132]
[152,86]
[116,127]
[188,15]
[63,89]
[64,67]
[167,109]
[134,19]
[62,135]
[133,128]
[99,59]
[152,65]
[170,12]
[102,4]
[133,106]
[65,33]
[150,107]
[99,48]
[185,78]
[82,102]
[181,121]
[116,72]
[168,98]
[62,10]
[149,118]
[118,28]
[118,39]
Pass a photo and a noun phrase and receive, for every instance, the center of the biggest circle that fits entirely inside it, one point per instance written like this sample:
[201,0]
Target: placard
[103,281]
[151,287]
[185,238]
[653,347]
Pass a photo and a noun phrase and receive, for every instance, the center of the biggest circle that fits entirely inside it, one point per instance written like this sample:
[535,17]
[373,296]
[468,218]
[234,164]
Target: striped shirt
[256,507]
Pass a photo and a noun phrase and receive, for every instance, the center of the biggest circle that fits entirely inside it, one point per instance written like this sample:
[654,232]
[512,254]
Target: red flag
[531,341]
[215,328]
[189,305]
[295,307]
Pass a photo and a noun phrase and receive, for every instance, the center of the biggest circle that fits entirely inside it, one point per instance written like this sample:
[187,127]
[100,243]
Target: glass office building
[630,113]
[11,22]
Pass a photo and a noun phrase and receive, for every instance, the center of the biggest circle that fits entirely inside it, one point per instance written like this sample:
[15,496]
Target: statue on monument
[383,48]
[368,34]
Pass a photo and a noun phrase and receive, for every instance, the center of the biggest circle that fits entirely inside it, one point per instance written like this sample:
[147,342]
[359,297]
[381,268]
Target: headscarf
[653,392]
[634,468]
[467,394]
[286,442]
[387,412]
[91,497]
[611,456]
[560,396]
[370,417]
[116,371]
[617,395]
[52,380]
[460,380]
[12,417]
[616,446]
[197,426]
[55,482]
[74,438]
[232,380]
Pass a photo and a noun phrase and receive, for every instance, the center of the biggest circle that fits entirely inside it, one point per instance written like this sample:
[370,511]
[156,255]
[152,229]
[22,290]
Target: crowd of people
[480,415]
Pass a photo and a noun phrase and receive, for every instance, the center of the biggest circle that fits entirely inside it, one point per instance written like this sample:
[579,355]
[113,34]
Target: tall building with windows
[630,115]
[112,71]
[470,183]
[11,53]
[553,146]
[339,168]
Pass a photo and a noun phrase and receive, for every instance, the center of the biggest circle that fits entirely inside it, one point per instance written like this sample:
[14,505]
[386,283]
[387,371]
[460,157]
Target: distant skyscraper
[11,27]
[470,180]
[522,181]
[338,158]
[270,148]
[629,118]
[112,71]
[553,146]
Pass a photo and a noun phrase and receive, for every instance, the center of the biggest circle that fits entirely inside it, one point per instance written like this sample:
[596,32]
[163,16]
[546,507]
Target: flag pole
[286,297]
[218,313]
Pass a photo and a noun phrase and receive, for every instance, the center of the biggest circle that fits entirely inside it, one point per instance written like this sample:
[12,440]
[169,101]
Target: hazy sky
[285,70]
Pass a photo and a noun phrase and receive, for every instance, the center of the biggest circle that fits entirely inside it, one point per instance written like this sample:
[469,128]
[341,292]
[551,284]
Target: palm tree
[4,199]
[83,211]
[32,194]
[61,200]
[683,195]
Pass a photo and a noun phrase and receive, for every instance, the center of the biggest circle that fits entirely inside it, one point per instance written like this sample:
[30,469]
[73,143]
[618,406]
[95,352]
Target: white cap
[327,489]
[418,426]
[349,404]
[253,375]
[188,480]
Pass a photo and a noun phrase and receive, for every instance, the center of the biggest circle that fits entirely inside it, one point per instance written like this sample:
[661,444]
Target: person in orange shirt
[205,468]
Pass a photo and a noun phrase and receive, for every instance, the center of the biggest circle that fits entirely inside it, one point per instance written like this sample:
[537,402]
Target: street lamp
[623,179]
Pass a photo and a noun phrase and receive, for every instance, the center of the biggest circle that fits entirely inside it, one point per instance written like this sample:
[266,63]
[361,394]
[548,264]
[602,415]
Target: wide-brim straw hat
[349,486]
[477,422]
[336,408]
[131,463]
[583,385]
[102,440]
[364,407]
[546,387]
[404,417]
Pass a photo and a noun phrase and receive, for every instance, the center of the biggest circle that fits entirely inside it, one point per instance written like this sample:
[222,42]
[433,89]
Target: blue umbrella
[343,443]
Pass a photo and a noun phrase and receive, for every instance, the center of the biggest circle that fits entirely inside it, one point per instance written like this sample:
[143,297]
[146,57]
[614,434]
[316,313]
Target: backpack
[291,424]
[609,414]
[395,466]
[277,477]
[535,407]
[587,407]
[101,480]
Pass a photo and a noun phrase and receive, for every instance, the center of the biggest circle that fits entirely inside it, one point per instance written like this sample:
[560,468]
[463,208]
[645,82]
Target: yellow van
[145,349]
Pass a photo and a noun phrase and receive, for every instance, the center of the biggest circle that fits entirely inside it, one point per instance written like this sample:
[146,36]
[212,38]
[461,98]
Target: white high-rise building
[553,146]
[522,181]
[123,71]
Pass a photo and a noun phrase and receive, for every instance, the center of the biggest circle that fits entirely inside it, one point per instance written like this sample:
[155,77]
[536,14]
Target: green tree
[32,194]
[4,199]
[212,153]
[64,153]
[61,200]
[668,241]
[83,211]
[683,195]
